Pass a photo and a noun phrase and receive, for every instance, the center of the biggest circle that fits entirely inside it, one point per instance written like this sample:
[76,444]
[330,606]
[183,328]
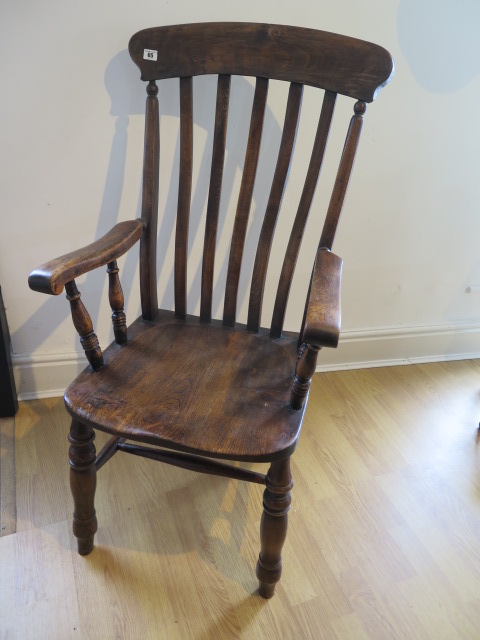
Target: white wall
[71,148]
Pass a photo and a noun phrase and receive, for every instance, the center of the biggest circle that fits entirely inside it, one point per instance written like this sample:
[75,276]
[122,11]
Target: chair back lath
[334,63]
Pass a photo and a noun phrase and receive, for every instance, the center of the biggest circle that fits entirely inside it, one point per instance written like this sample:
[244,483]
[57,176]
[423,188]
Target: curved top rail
[333,62]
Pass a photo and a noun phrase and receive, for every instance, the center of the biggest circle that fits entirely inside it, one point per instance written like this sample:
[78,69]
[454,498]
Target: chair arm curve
[53,275]
[323,315]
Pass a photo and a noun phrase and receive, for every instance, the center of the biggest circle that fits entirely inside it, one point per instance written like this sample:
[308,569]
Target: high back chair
[195,389]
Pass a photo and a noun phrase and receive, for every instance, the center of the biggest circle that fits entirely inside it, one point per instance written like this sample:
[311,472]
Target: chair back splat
[202,391]
[334,63]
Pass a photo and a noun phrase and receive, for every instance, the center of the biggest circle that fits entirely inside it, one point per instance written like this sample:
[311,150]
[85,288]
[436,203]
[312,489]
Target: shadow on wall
[439,39]
[128,96]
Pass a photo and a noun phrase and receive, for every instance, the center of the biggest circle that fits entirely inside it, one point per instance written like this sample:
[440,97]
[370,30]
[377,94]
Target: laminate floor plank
[382,541]
[8,511]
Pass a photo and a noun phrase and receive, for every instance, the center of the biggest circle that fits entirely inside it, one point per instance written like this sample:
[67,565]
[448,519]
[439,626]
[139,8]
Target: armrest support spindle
[83,324]
[306,364]
[115,296]
[321,322]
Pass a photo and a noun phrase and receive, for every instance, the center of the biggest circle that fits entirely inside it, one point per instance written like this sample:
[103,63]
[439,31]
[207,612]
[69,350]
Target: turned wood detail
[273,526]
[306,364]
[233,382]
[116,299]
[83,324]
[83,480]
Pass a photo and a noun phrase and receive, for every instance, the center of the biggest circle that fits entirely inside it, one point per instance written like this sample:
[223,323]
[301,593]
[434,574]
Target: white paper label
[150,54]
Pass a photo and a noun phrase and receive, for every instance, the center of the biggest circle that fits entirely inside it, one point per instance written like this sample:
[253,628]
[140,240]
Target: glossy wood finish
[83,481]
[323,313]
[273,526]
[244,201]
[293,248]
[343,176]
[148,243]
[52,276]
[344,65]
[306,364]
[83,324]
[193,388]
[274,202]
[214,195]
[115,296]
[184,195]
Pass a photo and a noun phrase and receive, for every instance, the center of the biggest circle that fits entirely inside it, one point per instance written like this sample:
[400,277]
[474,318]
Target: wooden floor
[383,539]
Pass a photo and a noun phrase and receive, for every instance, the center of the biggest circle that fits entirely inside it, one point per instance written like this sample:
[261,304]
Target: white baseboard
[48,375]
[402,345]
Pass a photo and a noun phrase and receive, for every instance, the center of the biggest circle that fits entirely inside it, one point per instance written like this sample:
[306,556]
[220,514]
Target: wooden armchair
[196,389]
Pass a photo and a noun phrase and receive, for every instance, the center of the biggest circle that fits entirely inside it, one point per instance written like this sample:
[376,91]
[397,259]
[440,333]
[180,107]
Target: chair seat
[195,387]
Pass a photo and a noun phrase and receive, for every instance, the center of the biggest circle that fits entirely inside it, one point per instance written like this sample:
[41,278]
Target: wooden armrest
[52,276]
[322,320]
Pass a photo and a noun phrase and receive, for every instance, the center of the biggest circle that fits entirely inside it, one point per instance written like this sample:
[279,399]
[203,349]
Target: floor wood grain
[382,541]
[8,515]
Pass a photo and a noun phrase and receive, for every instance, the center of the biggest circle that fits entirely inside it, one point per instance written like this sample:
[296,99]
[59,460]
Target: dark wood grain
[148,244]
[273,526]
[52,276]
[338,63]
[199,389]
[194,387]
[192,463]
[116,299]
[293,248]
[83,324]
[83,482]
[306,363]
[275,200]
[323,315]
[214,194]
[343,177]
[184,195]
[244,201]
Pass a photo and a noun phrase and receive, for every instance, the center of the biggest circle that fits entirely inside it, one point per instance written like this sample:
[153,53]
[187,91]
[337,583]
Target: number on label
[149,54]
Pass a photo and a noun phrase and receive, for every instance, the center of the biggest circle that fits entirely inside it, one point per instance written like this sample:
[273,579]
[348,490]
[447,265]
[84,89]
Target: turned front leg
[273,526]
[83,481]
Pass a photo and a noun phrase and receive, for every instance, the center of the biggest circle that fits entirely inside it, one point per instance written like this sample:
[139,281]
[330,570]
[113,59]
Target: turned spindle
[83,324]
[306,364]
[115,296]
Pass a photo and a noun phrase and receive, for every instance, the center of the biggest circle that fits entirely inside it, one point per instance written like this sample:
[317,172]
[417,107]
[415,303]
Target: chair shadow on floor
[179,514]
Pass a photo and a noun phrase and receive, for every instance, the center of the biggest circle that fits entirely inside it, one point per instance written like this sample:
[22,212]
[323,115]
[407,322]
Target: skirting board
[48,375]
[402,345]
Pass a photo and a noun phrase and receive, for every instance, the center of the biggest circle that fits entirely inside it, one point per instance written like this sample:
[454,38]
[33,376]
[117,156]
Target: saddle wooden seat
[196,389]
